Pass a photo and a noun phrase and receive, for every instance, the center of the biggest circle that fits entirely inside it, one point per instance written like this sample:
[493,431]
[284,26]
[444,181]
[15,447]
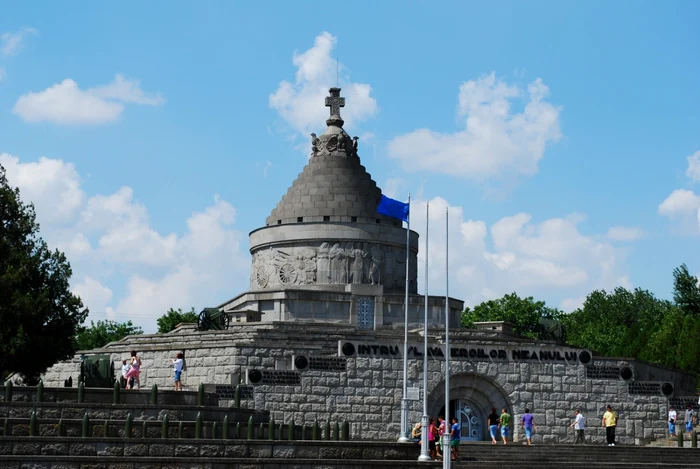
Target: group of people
[501,424]
[131,370]
[690,419]
[436,432]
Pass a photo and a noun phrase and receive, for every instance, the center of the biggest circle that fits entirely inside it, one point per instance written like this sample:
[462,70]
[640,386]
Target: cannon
[550,329]
[97,371]
[212,319]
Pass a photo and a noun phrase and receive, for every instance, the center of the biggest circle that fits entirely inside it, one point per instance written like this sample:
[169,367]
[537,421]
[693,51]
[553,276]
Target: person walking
[689,417]
[432,435]
[177,367]
[442,425]
[610,423]
[492,422]
[579,425]
[134,371]
[528,424]
[455,435]
[672,416]
[504,423]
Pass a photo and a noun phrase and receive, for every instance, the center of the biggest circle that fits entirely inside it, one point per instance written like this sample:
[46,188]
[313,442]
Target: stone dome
[325,233]
[334,186]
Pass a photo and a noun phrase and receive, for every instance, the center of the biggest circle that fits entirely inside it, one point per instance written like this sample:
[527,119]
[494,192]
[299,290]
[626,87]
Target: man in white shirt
[125,370]
[579,425]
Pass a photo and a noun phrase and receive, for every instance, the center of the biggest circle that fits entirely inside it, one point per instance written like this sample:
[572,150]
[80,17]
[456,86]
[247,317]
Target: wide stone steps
[592,456]
[75,453]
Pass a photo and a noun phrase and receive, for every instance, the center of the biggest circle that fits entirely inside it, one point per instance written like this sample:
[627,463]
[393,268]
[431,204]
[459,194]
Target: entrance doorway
[469,419]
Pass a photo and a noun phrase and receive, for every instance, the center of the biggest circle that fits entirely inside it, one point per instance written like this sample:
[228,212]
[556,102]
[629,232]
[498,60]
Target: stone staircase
[60,428]
[580,456]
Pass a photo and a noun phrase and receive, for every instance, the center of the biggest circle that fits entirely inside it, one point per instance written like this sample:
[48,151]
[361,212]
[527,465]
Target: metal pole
[425,421]
[404,437]
[446,456]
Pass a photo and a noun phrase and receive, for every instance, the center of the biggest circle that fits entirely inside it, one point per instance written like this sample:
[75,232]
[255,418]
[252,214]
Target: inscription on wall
[327,363]
[644,388]
[280,377]
[229,392]
[603,372]
[681,402]
[437,352]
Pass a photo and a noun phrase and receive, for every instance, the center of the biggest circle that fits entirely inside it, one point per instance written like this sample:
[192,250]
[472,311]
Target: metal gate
[469,421]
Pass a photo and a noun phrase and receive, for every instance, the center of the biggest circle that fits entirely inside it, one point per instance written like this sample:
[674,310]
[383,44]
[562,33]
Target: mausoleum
[325,254]
[319,335]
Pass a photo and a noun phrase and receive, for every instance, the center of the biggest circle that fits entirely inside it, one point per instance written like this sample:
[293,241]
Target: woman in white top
[672,421]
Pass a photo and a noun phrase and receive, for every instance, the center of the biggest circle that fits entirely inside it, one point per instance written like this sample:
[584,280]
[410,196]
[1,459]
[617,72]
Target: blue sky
[562,135]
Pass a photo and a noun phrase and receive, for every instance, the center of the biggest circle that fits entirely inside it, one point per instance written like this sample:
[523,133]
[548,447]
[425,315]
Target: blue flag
[393,208]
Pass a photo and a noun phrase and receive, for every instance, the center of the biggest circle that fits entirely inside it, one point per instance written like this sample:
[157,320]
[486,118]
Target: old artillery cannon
[97,371]
[212,319]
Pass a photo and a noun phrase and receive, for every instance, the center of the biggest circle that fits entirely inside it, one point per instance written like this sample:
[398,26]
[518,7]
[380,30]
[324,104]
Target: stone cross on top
[335,102]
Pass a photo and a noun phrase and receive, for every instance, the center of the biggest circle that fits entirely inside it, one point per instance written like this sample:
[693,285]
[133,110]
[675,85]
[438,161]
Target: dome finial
[335,102]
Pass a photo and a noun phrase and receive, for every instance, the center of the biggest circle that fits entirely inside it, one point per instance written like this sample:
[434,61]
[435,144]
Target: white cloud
[127,91]
[66,103]
[95,295]
[680,202]
[126,235]
[624,233]
[300,103]
[53,186]
[693,171]
[551,260]
[683,206]
[495,140]
[3,74]
[11,43]
[124,268]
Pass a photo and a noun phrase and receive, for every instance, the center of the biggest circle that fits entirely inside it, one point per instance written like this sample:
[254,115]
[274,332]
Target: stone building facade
[326,254]
[316,371]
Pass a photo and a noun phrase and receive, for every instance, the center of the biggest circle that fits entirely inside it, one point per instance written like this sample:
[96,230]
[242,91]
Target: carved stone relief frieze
[331,263]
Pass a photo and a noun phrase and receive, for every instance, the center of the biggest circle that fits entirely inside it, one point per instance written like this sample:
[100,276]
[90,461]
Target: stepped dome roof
[334,186]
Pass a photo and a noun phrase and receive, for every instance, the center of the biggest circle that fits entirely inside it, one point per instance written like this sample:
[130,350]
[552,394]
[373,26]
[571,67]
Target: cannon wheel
[203,321]
[225,321]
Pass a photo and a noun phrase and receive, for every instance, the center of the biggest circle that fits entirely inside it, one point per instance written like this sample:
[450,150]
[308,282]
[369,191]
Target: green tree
[172,318]
[38,313]
[100,334]
[524,313]
[686,291]
[619,323]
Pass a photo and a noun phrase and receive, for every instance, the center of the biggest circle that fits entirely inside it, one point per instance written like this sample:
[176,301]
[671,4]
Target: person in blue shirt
[528,423]
[455,436]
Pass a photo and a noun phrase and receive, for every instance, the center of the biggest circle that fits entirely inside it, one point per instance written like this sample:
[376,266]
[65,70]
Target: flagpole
[405,437]
[425,422]
[446,449]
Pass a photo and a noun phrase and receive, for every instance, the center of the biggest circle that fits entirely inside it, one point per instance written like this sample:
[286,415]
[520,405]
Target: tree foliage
[686,291]
[524,313]
[172,318]
[100,334]
[637,324]
[38,313]
[619,323]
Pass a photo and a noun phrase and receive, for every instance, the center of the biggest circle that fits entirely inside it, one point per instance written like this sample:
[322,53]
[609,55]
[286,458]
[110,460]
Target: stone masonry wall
[368,392]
